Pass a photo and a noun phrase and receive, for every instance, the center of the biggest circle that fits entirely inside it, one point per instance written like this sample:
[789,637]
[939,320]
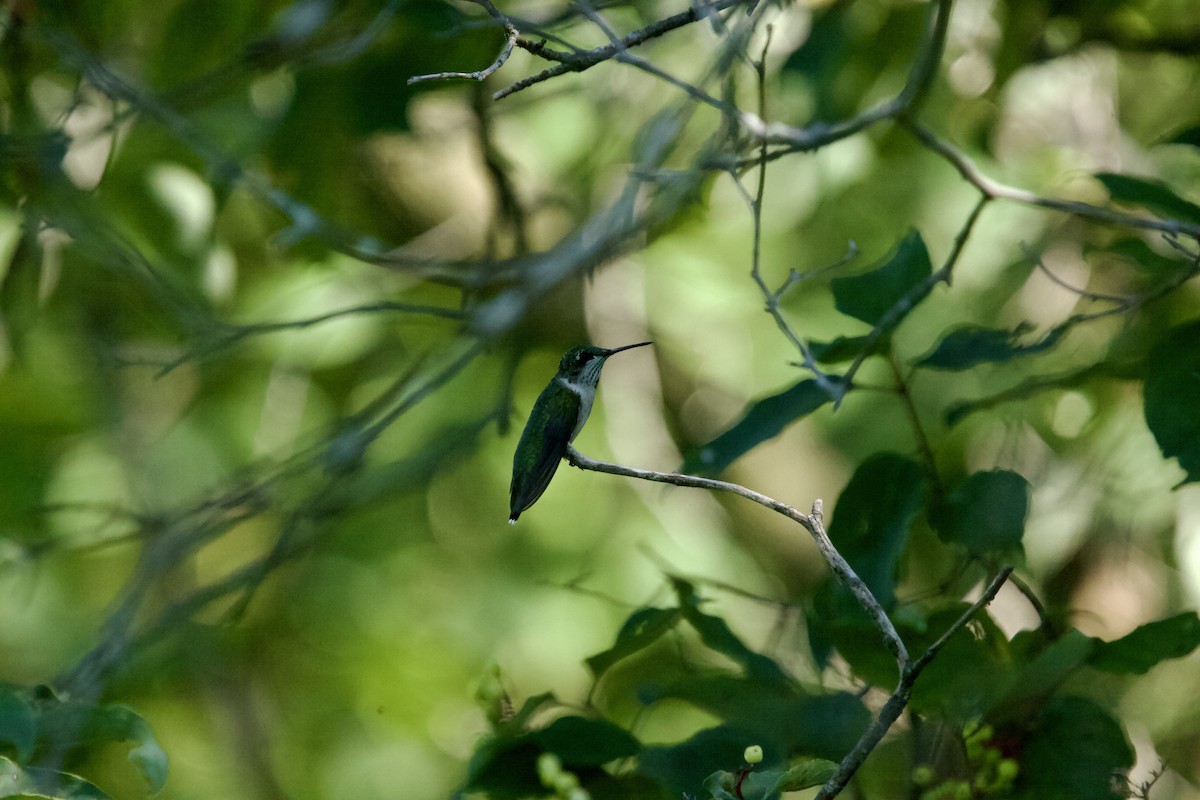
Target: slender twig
[1061,283]
[578,62]
[235,334]
[1046,624]
[999,191]
[511,35]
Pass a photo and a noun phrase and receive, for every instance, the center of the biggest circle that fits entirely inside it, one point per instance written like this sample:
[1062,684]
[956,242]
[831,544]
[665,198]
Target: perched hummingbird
[556,419]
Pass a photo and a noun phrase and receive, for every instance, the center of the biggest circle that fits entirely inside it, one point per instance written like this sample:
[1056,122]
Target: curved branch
[910,669]
[813,523]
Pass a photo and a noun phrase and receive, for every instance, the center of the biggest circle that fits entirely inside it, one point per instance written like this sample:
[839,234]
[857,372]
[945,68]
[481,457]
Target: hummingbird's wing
[542,446]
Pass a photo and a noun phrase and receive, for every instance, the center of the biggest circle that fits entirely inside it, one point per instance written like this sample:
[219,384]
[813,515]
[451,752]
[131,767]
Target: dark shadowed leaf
[1154,642]
[1152,195]
[684,767]
[1037,679]
[641,629]
[872,295]
[504,765]
[985,513]
[963,348]
[764,420]
[845,348]
[1077,752]
[584,742]
[872,519]
[1171,391]
[715,633]
[1189,135]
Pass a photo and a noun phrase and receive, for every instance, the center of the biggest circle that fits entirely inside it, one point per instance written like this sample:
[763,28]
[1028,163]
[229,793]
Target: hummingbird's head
[581,365]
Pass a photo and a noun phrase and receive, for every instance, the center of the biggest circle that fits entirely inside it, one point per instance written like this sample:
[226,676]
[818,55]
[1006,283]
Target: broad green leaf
[963,348]
[1171,390]
[764,420]
[1148,645]
[886,290]
[16,780]
[805,774]
[970,670]
[641,629]
[1075,753]
[985,513]
[18,722]
[1151,194]
[715,633]
[584,742]
[122,724]
[1040,678]
[775,715]
[873,516]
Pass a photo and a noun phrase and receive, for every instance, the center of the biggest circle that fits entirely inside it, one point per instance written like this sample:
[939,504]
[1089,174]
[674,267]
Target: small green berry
[753,754]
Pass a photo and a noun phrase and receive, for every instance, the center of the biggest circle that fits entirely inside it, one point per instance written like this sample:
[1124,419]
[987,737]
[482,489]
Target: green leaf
[641,629]
[873,516]
[886,290]
[1033,682]
[504,765]
[965,347]
[122,724]
[684,767]
[18,722]
[805,774]
[37,782]
[1153,195]
[985,513]
[1148,645]
[1171,388]
[715,633]
[584,742]
[764,420]
[775,715]
[1075,753]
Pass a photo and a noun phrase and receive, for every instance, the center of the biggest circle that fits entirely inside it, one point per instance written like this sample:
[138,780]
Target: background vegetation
[274,313]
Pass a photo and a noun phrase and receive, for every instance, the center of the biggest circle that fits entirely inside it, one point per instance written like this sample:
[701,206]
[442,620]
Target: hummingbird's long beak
[616,350]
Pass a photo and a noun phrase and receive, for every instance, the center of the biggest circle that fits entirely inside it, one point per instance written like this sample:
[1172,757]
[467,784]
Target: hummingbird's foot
[571,455]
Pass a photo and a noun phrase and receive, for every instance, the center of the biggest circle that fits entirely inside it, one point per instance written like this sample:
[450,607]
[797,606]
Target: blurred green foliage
[271,318]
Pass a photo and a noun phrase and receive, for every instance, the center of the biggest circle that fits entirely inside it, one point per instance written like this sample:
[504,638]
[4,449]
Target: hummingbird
[556,419]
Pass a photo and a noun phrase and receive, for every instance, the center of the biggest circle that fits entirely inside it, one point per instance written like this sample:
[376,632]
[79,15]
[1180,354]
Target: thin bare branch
[813,523]
[999,191]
